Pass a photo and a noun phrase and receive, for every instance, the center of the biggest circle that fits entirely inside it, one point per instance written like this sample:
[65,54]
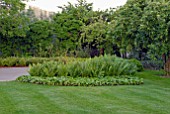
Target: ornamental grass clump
[46,69]
[92,67]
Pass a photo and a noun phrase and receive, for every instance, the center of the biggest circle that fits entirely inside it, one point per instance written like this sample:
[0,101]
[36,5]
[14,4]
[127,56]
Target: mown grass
[150,98]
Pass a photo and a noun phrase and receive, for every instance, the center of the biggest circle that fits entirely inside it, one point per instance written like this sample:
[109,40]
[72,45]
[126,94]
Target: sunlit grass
[150,98]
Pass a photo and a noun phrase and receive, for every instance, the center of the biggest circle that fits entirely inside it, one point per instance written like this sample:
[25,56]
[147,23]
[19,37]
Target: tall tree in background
[39,38]
[155,25]
[12,24]
[68,23]
[138,26]
[125,26]
[142,24]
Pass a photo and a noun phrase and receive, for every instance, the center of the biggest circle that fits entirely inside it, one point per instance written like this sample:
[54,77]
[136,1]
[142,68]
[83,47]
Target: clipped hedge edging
[26,61]
[82,81]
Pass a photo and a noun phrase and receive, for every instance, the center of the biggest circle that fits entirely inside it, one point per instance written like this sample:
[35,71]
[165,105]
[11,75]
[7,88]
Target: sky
[51,5]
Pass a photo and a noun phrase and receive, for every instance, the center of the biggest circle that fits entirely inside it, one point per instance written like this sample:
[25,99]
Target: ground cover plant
[150,98]
[82,81]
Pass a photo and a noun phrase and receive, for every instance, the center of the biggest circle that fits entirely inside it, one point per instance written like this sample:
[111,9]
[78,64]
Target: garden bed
[82,81]
[99,71]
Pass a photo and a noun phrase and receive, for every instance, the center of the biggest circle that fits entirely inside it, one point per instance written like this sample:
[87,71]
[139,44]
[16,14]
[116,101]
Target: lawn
[153,97]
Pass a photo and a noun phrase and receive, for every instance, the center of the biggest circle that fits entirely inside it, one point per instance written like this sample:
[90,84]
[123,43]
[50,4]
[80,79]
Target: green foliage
[155,24]
[152,64]
[93,67]
[83,53]
[8,62]
[17,61]
[68,23]
[40,39]
[79,28]
[48,69]
[142,24]
[94,34]
[102,66]
[12,62]
[11,20]
[124,25]
[13,26]
[21,37]
[21,61]
[138,64]
[136,26]
[81,81]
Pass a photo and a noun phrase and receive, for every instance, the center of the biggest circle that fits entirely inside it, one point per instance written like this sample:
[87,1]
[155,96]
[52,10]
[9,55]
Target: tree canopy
[142,24]
[138,26]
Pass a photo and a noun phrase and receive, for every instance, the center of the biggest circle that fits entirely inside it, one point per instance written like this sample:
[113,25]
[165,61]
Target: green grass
[151,98]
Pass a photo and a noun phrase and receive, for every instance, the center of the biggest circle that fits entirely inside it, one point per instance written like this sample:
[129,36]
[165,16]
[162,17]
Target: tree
[142,24]
[125,26]
[68,23]
[93,36]
[155,24]
[12,24]
[39,38]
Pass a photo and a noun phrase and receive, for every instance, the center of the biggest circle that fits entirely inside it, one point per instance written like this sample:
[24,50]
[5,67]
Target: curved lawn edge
[82,81]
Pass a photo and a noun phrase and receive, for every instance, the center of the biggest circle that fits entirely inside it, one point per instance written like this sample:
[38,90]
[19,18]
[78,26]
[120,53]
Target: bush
[82,81]
[93,67]
[17,61]
[101,66]
[138,64]
[152,65]
[9,61]
[21,62]
[47,69]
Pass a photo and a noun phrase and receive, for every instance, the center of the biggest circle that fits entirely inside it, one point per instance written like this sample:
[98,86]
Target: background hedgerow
[26,61]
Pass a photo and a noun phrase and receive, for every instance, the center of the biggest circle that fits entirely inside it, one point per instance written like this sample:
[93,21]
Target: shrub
[152,65]
[1,62]
[17,61]
[35,60]
[93,67]
[21,62]
[46,69]
[102,66]
[123,67]
[82,81]
[9,61]
[138,64]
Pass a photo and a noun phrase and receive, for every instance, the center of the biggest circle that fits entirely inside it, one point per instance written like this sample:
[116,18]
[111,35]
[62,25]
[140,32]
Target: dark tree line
[137,29]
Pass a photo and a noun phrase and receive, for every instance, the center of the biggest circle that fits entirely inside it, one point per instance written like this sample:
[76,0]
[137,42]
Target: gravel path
[9,74]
